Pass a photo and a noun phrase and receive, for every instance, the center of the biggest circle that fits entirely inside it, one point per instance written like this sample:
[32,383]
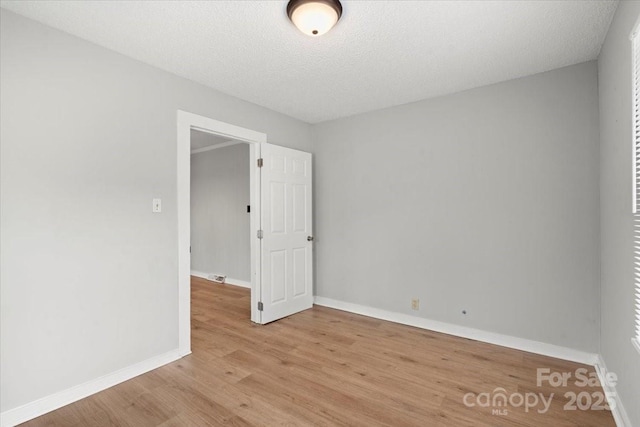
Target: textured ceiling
[380,54]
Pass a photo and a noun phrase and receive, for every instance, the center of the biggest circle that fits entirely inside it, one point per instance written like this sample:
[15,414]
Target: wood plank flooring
[326,367]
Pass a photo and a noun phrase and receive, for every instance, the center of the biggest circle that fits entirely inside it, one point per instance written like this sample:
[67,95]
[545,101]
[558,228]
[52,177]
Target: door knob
[309,238]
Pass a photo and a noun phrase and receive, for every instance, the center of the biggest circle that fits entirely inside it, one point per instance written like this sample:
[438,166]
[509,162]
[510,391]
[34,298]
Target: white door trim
[186,122]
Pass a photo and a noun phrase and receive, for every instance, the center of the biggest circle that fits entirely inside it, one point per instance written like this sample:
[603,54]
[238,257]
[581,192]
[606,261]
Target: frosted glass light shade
[314,17]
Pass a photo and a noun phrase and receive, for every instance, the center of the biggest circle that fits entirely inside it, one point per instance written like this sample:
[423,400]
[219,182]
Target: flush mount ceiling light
[314,17]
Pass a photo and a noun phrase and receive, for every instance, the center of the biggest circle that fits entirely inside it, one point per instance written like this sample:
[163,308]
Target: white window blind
[635,40]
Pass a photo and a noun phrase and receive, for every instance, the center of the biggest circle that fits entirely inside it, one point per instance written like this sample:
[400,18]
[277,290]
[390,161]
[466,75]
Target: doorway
[281,238]
[220,209]
[186,123]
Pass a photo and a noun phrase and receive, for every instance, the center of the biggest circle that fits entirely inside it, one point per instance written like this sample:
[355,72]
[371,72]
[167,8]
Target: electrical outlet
[415,304]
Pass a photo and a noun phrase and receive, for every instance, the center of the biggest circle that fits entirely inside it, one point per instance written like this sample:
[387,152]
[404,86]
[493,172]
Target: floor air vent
[218,278]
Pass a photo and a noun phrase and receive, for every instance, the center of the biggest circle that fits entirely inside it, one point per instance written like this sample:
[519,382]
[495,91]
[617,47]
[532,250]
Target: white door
[287,238]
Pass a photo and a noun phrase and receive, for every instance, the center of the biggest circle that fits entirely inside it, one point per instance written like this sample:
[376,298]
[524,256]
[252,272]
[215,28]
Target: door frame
[185,122]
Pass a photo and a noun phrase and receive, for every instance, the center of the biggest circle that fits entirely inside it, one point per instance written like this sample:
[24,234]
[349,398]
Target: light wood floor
[323,367]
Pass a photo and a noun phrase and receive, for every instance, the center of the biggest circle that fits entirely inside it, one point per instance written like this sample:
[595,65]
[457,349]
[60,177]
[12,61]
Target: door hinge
[260,162]
[260,306]
[260,234]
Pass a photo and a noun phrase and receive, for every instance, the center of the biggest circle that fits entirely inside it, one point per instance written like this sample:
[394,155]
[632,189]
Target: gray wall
[615,83]
[485,200]
[88,138]
[220,240]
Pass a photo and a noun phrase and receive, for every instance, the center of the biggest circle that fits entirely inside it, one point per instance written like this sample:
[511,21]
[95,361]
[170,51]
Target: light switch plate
[157,205]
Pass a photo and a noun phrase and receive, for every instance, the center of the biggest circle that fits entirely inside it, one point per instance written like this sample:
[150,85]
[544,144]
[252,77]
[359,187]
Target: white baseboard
[199,274]
[619,414]
[237,282]
[228,281]
[465,332]
[57,400]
